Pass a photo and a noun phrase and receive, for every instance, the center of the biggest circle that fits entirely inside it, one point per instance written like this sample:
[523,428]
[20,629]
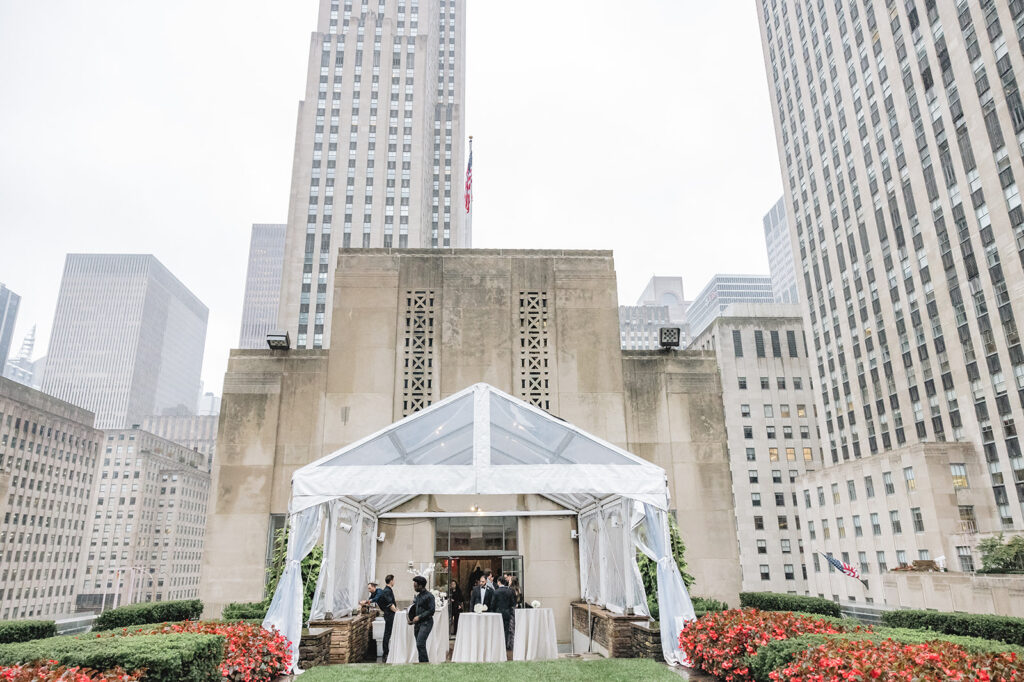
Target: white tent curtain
[674,605]
[285,612]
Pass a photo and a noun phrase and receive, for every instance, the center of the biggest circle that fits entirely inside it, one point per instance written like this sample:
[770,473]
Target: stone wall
[999,595]
[315,647]
[613,633]
[647,641]
[350,637]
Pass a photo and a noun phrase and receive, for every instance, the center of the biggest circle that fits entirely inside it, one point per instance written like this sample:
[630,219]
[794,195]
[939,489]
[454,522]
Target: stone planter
[647,640]
[350,637]
[315,647]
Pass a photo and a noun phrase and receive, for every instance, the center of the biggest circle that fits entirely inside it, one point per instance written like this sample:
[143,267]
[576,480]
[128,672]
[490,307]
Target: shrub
[170,658]
[704,604]
[50,672]
[780,653]
[245,611]
[838,660]
[26,630]
[998,556]
[719,642]
[251,654]
[773,601]
[142,614]
[1000,628]
[649,569]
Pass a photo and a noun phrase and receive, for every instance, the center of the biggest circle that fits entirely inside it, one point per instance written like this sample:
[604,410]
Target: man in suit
[480,595]
[504,602]
[423,622]
[386,603]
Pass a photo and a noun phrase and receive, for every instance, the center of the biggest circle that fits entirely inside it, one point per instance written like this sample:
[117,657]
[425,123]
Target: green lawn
[611,670]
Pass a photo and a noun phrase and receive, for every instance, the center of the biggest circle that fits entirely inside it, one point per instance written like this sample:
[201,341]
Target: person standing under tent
[421,615]
[504,602]
[455,599]
[386,603]
[480,595]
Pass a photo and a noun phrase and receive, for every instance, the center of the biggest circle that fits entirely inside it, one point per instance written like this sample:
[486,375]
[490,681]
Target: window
[869,487]
[798,383]
[840,527]
[755,499]
[923,555]
[770,432]
[894,519]
[776,344]
[781,383]
[793,473]
[862,559]
[737,343]
[882,566]
[908,477]
[773,454]
[876,525]
[758,523]
[901,557]
[918,518]
[857,530]
[801,411]
[966,559]
[765,575]
[776,476]
[808,455]
[759,343]
[752,475]
[744,410]
[787,432]
[768,411]
[821,496]
[810,529]
[835,493]
[817,563]
[784,411]
[783,523]
[762,547]
[788,568]
[786,546]
[824,529]
[959,473]
[780,499]
[807,499]
[968,523]
[743,383]
[890,487]
[851,490]
[748,432]
[764,383]
[751,455]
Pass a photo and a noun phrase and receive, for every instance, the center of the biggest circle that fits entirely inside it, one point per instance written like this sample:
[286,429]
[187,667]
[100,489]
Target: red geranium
[888,661]
[251,653]
[54,672]
[718,642]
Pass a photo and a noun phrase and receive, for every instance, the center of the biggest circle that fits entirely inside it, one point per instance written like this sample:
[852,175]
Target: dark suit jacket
[476,598]
[504,600]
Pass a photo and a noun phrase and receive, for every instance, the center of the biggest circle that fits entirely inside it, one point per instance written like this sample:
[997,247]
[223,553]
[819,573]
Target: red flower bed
[888,661]
[717,642]
[53,672]
[252,654]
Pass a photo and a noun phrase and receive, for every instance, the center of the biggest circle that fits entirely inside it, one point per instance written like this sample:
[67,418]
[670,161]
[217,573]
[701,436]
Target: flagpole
[467,238]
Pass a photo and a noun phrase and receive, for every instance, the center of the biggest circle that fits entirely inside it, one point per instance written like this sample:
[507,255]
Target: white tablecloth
[403,639]
[535,635]
[481,639]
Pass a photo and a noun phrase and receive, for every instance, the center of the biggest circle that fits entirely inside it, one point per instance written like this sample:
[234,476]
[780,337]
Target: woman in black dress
[455,604]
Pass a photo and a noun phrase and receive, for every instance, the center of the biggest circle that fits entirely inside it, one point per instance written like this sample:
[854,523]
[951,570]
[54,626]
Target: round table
[535,635]
[403,639]
[481,639]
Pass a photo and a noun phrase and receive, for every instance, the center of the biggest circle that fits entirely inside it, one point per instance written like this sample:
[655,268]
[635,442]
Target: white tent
[482,441]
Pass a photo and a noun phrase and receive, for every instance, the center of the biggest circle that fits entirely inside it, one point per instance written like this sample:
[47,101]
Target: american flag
[469,178]
[843,567]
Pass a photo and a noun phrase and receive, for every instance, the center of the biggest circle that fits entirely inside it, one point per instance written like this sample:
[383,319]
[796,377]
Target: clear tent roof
[478,441]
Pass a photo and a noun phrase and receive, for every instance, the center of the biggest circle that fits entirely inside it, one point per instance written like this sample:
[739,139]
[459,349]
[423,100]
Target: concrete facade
[999,595]
[48,459]
[198,432]
[770,419]
[379,147]
[262,285]
[721,292]
[414,326]
[148,521]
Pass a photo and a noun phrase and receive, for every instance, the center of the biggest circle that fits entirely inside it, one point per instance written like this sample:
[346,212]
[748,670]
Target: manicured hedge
[706,604]
[166,658]
[777,654]
[26,630]
[245,611]
[773,601]
[1000,628]
[155,612]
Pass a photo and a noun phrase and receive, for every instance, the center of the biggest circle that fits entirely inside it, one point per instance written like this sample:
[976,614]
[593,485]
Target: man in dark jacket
[386,603]
[422,613]
[504,602]
[481,595]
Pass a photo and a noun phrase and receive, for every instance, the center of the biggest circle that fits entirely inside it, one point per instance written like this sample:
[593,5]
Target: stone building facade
[48,457]
[414,326]
[147,522]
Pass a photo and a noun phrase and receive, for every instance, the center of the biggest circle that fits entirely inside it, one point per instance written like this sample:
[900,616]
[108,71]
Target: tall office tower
[771,424]
[780,254]
[262,285]
[127,339]
[145,541]
[721,292]
[48,457]
[900,127]
[9,302]
[23,368]
[383,103]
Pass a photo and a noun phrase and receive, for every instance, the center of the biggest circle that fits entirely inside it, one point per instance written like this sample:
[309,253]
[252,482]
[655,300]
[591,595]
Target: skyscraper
[780,254]
[9,302]
[720,293]
[23,368]
[262,285]
[899,128]
[381,72]
[127,339]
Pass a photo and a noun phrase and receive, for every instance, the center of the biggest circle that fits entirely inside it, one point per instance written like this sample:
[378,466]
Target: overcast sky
[168,128]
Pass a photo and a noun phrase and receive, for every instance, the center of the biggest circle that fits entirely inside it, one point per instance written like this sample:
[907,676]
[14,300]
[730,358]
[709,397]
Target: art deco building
[900,128]
[768,390]
[147,519]
[48,457]
[379,156]
[262,285]
[127,339]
